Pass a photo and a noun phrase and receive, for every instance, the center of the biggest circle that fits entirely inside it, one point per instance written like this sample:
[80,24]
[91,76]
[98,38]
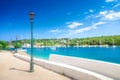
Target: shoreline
[87,46]
[25,54]
[92,58]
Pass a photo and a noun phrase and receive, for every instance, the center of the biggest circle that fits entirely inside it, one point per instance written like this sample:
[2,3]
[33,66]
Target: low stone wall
[105,68]
[71,71]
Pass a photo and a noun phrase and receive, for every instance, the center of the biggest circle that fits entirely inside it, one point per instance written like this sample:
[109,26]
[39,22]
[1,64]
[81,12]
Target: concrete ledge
[105,68]
[71,71]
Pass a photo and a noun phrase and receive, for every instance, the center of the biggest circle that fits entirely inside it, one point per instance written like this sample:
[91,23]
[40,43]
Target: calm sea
[109,54]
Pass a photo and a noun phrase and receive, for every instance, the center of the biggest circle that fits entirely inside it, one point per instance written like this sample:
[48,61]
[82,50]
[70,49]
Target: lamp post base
[31,67]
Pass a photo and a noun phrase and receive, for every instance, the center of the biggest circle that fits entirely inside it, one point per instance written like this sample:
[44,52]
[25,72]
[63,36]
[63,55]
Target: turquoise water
[109,54]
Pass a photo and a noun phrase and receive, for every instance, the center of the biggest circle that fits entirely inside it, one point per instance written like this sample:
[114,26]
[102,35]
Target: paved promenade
[12,68]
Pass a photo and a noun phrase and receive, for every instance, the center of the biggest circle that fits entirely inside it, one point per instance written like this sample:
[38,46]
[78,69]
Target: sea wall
[68,70]
[105,68]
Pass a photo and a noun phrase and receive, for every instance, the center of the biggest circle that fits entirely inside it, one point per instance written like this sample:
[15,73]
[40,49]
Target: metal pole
[16,43]
[31,62]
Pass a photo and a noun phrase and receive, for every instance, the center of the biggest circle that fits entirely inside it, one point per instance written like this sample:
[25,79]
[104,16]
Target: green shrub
[17,45]
[3,44]
[0,46]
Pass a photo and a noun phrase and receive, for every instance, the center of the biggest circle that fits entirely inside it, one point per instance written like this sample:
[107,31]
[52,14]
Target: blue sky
[59,18]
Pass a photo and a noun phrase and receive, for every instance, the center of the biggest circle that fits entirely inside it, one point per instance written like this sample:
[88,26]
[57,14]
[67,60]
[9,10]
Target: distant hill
[102,40]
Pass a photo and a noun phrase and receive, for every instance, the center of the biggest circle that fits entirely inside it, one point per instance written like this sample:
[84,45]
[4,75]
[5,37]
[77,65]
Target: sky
[59,18]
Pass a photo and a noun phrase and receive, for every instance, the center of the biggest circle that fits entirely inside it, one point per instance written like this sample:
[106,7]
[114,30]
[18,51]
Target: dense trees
[3,45]
[17,45]
[103,40]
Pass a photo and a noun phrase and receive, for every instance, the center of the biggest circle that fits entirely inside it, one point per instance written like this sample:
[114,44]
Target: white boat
[53,48]
[113,44]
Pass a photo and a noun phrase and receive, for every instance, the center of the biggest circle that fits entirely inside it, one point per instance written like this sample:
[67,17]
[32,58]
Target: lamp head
[31,15]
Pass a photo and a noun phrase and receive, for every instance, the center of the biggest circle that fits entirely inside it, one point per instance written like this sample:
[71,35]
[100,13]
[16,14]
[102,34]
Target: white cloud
[99,23]
[72,33]
[109,15]
[83,29]
[90,10]
[109,0]
[103,13]
[80,30]
[73,25]
[55,31]
[90,16]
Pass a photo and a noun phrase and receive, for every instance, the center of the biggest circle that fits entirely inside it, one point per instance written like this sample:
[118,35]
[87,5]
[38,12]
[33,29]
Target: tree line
[103,40]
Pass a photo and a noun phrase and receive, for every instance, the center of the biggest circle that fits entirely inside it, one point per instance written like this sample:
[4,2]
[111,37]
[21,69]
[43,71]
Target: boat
[53,48]
[113,44]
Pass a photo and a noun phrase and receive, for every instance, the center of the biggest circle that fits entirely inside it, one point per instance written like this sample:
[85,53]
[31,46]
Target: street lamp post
[31,60]
[16,44]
